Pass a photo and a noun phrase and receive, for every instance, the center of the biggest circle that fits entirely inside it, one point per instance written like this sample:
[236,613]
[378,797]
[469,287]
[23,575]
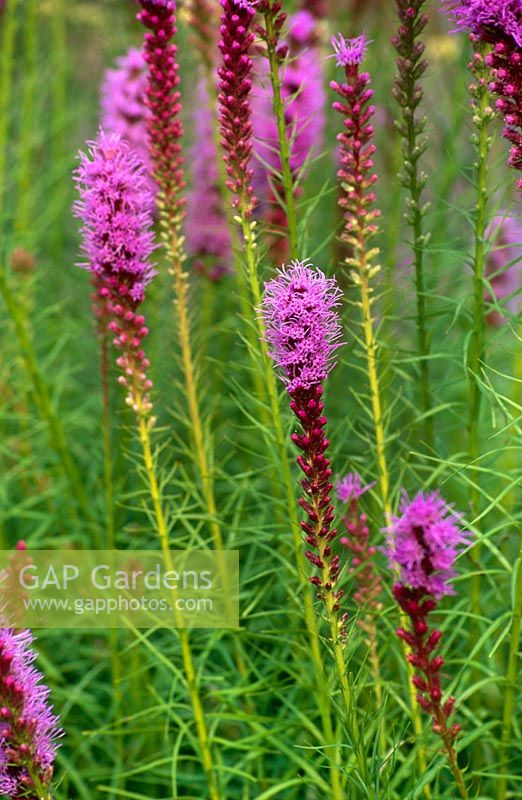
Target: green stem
[284,147]
[107,444]
[45,405]
[28,120]
[511,684]
[8,29]
[482,119]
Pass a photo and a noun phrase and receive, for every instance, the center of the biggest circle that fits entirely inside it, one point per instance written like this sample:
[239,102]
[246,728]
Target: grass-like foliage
[354,430]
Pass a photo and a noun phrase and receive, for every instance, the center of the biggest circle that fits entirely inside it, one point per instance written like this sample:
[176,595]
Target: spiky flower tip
[123,103]
[504,265]
[208,236]
[423,544]
[235,85]
[499,23]
[28,728]
[163,101]
[367,582]
[303,331]
[356,150]
[115,206]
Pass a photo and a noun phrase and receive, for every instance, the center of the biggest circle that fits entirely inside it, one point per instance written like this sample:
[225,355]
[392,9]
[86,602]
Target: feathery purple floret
[29,730]
[350,487]
[116,208]
[424,542]
[488,18]
[302,324]
[207,233]
[123,104]
[349,52]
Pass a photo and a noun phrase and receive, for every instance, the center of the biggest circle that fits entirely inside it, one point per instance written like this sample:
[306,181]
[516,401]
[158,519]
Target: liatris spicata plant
[123,103]
[207,232]
[357,201]
[116,209]
[28,728]
[423,545]
[498,23]
[303,332]
[504,265]
[408,93]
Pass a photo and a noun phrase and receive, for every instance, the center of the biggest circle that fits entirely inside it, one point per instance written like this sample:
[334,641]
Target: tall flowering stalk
[116,206]
[498,23]
[408,93]
[28,728]
[303,331]
[357,202]
[235,86]
[165,132]
[423,545]
[367,582]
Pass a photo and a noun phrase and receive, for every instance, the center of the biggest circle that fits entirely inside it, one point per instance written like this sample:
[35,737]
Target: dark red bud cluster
[308,407]
[235,85]
[417,604]
[162,97]
[505,62]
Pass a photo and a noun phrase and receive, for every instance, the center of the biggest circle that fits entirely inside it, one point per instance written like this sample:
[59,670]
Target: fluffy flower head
[302,323]
[488,17]
[349,52]
[28,722]
[350,487]
[424,542]
[116,208]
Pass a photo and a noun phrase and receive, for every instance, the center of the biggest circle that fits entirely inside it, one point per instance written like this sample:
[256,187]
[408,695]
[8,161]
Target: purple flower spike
[123,104]
[349,52]
[488,18]
[28,728]
[351,488]
[302,324]
[423,543]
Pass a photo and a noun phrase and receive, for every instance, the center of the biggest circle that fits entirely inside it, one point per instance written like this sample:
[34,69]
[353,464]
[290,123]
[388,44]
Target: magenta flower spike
[504,264]
[116,206]
[206,227]
[124,110]
[163,100]
[423,545]
[499,23]
[235,85]
[29,730]
[303,332]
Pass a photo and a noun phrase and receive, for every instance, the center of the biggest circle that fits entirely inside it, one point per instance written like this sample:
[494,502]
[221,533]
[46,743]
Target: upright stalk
[482,117]
[8,27]
[273,21]
[28,121]
[408,92]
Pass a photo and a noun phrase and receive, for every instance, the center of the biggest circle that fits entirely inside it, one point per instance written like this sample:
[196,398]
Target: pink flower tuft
[349,52]
[488,19]
[303,327]
[423,543]
[351,488]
